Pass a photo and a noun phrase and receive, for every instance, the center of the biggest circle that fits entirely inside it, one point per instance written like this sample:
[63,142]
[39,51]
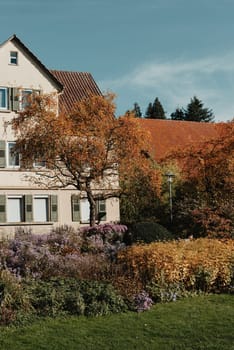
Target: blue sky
[138,49]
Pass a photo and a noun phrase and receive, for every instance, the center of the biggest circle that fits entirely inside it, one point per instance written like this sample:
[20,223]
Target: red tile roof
[76,86]
[167,135]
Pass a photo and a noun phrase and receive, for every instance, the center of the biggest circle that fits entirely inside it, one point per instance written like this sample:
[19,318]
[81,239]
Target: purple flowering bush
[142,301]
[63,252]
[29,265]
[106,238]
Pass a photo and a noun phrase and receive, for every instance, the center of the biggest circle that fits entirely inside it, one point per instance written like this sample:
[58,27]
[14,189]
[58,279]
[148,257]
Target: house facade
[22,203]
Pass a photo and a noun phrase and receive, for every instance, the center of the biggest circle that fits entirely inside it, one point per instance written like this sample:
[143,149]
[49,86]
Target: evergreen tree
[197,113]
[178,114]
[155,110]
[148,113]
[137,110]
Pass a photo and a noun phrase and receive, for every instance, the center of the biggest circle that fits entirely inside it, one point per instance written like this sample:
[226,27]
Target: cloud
[211,79]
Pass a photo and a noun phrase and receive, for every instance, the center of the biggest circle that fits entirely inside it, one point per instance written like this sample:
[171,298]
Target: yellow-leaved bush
[205,264]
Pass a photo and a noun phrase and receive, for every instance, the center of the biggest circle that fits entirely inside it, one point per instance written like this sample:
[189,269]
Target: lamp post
[170,177]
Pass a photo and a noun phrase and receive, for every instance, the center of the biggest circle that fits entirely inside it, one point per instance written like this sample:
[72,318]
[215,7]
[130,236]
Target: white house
[22,204]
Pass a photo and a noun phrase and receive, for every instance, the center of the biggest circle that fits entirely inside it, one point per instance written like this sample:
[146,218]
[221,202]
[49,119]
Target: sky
[137,49]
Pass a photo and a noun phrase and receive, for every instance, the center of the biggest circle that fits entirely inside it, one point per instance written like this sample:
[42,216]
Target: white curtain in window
[40,209]
[14,209]
[84,210]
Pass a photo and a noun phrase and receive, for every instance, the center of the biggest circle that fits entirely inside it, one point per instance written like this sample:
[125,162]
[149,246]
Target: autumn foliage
[88,148]
[205,264]
[206,194]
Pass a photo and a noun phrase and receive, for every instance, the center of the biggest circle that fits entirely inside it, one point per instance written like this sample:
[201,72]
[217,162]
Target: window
[81,209]
[84,210]
[3,98]
[13,157]
[28,208]
[101,210]
[14,57]
[25,98]
[14,209]
[39,164]
[40,209]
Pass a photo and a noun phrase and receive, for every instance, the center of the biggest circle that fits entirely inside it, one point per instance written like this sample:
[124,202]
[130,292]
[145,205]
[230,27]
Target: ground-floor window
[40,209]
[15,209]
[84,210]
[28,208]
[81,209]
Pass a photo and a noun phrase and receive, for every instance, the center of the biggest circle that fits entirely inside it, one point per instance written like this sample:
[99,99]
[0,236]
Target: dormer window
[14,57]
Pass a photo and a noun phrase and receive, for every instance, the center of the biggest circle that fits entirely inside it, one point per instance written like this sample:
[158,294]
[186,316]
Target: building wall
[14,185]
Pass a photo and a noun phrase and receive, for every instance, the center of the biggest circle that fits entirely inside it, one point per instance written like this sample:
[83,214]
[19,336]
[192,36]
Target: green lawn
[204,322]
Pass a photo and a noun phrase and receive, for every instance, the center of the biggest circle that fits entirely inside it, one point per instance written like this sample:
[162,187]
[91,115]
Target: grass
[199,323]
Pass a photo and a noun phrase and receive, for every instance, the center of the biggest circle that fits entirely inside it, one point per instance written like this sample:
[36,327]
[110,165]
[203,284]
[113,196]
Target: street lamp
[170,177]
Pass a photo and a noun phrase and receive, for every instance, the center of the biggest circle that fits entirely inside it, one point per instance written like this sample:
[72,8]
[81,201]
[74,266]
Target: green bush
[72,296]
[13,301]
[101,298]
[147,232]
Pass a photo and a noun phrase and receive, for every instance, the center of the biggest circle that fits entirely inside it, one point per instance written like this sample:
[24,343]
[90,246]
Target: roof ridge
[68,71]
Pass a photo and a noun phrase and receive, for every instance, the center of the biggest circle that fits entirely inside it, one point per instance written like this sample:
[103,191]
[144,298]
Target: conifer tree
[178,114]
[155,110]
[148,113]
[197,113]
[137,110]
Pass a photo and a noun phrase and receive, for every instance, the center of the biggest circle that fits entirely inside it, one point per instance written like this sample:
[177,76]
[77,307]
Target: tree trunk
[92,205]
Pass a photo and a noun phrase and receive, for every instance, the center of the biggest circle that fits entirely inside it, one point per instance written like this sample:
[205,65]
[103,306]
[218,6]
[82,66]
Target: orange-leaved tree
[88,148]
[208,175]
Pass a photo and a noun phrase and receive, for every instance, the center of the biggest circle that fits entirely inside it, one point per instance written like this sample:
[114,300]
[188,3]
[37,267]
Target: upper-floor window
[15,99]
[3,98]
[25,98]
[13,157]
[14,57]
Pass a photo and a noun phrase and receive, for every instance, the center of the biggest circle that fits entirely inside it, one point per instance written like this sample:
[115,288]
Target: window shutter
[2,208]
[28,207]
[9,90]
[54,208]
[2,154]
[15,99]
[101,210]
[37,92]
[75,202]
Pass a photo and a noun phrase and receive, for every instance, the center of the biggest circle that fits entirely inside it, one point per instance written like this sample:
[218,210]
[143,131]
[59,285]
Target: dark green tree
[149,111]
[137,110]
[178,114]
[197,113]
[155,110]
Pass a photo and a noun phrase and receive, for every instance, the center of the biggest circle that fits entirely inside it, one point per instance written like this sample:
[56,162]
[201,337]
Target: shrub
[58,296]
[204,264]
[147,232]
[106,238]
[142,301]
[63,252]
[13,301]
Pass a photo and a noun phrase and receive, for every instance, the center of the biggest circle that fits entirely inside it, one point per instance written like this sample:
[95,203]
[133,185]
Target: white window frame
[8,157]
[6,98]
[19,208]
[46,198]
[24,93]
[14,58]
